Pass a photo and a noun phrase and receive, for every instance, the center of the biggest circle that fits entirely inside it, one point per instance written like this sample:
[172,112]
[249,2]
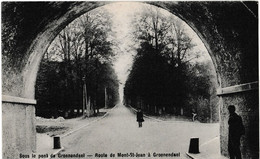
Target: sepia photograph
[130,79]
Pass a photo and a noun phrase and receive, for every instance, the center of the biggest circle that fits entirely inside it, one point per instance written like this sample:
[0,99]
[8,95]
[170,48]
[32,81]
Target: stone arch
[228,30]
[41,43]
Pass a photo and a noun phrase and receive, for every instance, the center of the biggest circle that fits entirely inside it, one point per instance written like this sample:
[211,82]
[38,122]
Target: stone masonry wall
[19,131]
[248,108]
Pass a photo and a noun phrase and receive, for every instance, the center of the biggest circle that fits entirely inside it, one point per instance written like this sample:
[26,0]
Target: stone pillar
[19,131]
[245,97]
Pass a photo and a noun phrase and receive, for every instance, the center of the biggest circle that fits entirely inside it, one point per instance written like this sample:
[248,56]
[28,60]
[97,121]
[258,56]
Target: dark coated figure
[139,117]
[236,130]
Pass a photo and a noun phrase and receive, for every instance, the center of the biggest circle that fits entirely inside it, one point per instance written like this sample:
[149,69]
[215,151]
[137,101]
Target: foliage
[82,52]
[163,78]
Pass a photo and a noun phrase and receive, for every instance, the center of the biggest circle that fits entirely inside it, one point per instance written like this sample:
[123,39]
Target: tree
[83,48]
[163,76]
[151,27]
[179,44]
[147,79]
[167,38]
[98,48]
[202,93]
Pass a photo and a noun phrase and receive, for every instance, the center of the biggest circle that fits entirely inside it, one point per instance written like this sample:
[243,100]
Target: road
[119,133]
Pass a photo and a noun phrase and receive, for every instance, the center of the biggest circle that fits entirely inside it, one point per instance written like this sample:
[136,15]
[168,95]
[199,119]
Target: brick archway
[228,30]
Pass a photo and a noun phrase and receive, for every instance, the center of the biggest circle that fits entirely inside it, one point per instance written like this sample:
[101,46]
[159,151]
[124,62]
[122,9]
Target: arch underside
[229,31]
[221,34]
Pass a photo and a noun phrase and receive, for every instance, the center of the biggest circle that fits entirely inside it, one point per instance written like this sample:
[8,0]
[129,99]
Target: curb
[158,120]
[72,131]
[204,154]
[189,155]
[56,152]
[205,143]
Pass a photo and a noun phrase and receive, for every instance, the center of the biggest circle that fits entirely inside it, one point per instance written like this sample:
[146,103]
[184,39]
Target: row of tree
[164,77]
[81,54]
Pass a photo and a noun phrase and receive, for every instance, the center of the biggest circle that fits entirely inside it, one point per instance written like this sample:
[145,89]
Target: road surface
[118,136]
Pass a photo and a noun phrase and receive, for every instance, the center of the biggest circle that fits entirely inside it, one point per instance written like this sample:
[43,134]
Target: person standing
[139,116]
[194,114]
[236,130]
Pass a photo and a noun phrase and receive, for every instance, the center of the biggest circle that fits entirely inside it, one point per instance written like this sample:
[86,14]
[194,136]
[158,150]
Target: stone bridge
[229,30]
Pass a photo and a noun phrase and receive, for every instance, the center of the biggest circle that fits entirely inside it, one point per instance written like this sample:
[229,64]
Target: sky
[123,13]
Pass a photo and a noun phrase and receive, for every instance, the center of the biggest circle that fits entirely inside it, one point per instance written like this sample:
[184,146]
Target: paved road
[119,133]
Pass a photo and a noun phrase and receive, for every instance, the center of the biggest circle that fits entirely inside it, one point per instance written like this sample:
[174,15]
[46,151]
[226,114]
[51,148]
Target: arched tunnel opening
[69,44]
[230,41]
[77,74]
